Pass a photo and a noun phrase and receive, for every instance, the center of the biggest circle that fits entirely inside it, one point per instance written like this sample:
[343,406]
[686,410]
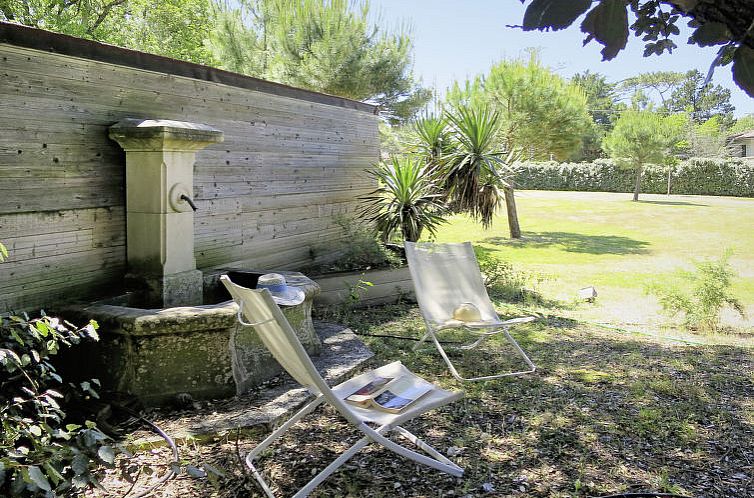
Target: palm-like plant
[474,170]
[407,199]
[432,139]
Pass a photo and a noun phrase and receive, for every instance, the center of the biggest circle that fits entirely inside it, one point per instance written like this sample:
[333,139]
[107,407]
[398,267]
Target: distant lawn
[605,240]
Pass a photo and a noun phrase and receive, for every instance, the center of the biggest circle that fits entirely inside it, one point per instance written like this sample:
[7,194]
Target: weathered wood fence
[290,161]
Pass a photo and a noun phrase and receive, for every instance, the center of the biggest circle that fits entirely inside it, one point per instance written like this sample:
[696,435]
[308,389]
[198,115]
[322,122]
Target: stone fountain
[176,332]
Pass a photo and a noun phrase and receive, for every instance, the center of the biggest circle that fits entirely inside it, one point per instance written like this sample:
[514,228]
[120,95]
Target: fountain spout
[186,198]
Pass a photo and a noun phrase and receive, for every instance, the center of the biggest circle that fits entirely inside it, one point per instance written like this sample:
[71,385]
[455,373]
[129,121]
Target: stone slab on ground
[263,407]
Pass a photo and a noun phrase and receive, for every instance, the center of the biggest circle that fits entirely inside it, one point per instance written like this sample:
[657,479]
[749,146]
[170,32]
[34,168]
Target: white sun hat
[282,293]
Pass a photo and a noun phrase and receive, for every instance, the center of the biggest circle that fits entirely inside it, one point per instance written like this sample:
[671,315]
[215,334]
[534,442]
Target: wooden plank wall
[266,196]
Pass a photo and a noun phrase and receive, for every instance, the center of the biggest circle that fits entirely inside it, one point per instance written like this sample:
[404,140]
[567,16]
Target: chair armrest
[515,321]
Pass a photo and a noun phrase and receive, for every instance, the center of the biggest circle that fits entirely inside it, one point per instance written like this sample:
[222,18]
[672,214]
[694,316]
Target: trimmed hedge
[696,176]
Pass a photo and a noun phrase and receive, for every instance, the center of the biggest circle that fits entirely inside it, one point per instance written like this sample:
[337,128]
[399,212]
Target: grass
[611,408]
[618,246]
[604,413]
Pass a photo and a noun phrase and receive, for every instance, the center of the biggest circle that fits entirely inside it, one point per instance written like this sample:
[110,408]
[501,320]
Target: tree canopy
[543,115]
[642,137]
[727,24]
[683,92]
[327,46]
[744,123]
[702,101]
[602,104]
[173,28]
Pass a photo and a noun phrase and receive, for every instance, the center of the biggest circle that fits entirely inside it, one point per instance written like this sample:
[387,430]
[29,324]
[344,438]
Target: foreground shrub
[42,451]
[706,293]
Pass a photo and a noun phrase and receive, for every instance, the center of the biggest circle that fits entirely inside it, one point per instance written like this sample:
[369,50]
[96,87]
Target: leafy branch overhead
[728,24]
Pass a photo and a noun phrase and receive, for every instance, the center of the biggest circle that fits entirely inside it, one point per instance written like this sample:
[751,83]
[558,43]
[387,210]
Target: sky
[456,39]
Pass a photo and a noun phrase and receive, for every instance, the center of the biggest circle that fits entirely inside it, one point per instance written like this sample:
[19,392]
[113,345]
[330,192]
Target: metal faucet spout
[186,198]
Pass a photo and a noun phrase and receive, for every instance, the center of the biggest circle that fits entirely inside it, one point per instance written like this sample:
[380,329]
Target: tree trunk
[510,207]
[637,185]
[670,176]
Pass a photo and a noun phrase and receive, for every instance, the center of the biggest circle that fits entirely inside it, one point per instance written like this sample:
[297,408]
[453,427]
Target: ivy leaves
[606,21]
[40,453]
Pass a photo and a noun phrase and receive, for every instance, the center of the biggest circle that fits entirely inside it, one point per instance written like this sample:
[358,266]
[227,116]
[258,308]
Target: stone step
[265,406]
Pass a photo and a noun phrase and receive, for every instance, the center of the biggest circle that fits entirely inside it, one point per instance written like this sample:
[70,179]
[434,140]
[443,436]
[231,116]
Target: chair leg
[474,344]
[306,410]
[520,351]
[376,435]
[424,446]
[421,341]
[439,462]
[449,363]
[460,378]
[274,437]
[334,465]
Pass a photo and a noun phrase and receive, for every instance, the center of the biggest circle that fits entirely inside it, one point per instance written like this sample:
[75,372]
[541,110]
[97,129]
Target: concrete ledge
[387,286]
[266,406]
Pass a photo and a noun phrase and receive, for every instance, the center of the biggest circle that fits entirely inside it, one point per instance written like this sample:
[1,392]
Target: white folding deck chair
[277,335]
[445,276]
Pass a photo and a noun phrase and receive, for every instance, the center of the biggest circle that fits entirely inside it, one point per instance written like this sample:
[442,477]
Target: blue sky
[456,39]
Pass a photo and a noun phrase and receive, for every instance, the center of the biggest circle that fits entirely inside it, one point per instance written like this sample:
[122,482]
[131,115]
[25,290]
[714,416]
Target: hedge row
[730,177]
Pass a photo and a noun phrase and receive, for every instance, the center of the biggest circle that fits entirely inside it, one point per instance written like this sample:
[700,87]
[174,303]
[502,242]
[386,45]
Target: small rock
[487,487]
[453,451]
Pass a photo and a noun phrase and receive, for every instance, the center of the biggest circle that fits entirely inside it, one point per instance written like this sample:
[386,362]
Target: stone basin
[161,355]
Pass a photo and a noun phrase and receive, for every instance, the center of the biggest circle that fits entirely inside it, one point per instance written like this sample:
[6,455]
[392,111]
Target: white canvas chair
[445,276]
[277,335]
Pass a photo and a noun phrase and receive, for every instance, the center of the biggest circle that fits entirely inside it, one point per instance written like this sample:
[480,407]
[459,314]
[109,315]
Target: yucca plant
[475,169]
[407,199]
[432,140]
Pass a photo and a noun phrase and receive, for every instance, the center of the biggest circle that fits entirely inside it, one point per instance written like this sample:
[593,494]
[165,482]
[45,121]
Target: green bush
[508,284]
[43,452]
[706,292]
[362,252]
[730,177]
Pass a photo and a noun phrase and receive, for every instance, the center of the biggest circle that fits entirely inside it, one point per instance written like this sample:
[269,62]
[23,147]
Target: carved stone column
[160,158]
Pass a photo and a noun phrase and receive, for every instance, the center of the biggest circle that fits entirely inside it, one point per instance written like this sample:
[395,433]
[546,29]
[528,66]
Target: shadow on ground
[673,203]
[605,413]
[575,242]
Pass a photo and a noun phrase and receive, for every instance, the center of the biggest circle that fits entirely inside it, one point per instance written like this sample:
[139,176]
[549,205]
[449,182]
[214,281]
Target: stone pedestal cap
[163,134]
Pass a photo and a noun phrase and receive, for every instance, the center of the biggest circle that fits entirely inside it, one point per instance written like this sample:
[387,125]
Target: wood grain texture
[266,196]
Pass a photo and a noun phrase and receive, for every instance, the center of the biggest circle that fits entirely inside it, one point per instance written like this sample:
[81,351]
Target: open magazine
[390,394]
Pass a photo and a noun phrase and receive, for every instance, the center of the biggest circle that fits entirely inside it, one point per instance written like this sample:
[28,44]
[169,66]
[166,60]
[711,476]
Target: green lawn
[605,240]
[608,411]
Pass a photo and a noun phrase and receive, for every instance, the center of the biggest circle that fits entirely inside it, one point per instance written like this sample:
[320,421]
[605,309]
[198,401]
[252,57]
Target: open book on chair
[390,394]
